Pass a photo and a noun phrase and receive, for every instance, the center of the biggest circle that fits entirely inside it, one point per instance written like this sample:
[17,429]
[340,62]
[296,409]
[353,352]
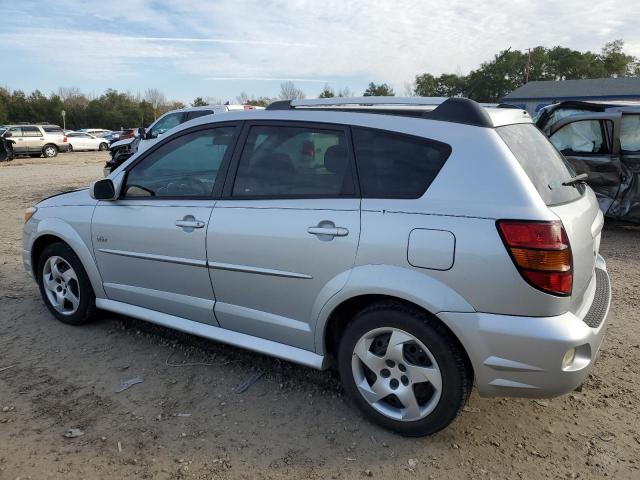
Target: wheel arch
[49,144]
[52,230]
[376,283]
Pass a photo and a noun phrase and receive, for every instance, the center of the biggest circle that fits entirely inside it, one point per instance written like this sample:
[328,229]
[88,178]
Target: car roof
[340,110]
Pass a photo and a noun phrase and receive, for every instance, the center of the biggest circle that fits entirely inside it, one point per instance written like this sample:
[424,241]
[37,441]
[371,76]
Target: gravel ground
[185,421]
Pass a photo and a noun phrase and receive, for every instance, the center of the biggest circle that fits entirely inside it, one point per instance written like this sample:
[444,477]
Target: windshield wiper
[582,178]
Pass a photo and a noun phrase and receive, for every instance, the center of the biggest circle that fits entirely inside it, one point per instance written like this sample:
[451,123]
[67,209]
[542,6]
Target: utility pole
[528,67]
[64,123]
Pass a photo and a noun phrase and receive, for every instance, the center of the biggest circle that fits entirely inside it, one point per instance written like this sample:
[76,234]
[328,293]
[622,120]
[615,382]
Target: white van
[166,122]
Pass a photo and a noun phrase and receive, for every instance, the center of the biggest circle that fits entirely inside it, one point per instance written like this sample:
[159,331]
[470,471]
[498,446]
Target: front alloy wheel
[61,285]
[64,285]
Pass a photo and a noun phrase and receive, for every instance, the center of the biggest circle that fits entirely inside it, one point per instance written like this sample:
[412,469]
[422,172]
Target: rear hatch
[575,205]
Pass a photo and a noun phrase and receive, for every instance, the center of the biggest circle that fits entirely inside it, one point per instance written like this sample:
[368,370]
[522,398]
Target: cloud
[305,40]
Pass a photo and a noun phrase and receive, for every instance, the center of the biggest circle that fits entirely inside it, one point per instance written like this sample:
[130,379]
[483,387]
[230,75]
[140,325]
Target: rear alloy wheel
[64,285]
[50,151]
[404,369]
[103,146]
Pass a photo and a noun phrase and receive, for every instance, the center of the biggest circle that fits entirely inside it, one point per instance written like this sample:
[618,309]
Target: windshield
[544,165]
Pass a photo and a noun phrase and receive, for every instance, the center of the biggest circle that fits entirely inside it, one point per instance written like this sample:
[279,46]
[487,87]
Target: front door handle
[329,231]
[189,222]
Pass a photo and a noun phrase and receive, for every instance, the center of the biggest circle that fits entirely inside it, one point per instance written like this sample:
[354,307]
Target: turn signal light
[541,252]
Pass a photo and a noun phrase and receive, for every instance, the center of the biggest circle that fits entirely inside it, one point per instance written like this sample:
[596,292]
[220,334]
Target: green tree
[327,92]
[381,90]
[198,102]
[615,62]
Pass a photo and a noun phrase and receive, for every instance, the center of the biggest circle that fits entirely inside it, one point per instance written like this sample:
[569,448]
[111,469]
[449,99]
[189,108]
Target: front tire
[50,151]
[404,369]
[65,286]
[103,147]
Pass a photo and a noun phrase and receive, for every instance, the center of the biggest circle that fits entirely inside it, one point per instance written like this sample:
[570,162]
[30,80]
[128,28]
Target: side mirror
[103,190]
[8,134]
[142,132]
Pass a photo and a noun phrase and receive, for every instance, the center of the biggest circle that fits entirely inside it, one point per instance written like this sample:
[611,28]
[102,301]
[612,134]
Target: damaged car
[601,139]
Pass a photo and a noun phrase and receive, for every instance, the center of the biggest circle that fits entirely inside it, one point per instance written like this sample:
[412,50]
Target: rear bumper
[523,356]
[63,147]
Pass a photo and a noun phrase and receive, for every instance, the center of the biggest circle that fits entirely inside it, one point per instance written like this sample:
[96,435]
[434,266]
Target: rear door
[627,204]
[284,236]
[33,139]
[588,142]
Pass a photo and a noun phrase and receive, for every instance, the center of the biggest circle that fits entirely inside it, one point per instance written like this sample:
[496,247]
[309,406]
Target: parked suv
[36,140]
[123,149]
[602,140]
[413,244]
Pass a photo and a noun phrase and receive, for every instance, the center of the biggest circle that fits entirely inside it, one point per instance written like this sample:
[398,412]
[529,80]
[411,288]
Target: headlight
[28,213]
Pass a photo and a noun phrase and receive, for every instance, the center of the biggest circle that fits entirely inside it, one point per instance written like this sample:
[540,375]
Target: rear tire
[65,286]
[415,377]
[50,151]
[103,147]
[70,148]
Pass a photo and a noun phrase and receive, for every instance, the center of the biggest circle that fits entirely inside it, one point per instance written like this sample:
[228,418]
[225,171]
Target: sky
[219,48]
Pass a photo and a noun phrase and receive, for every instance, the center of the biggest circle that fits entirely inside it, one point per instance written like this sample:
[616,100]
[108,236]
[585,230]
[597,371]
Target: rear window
[392,165]
[544,165]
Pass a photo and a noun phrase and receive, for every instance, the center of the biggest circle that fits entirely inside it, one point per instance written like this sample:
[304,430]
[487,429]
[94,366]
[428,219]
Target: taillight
[64,139]
[541,252]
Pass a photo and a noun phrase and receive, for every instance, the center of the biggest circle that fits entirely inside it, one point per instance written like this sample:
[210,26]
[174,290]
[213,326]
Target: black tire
[456,372]
[103,146]
[87,305]
[50,151]
[70,148]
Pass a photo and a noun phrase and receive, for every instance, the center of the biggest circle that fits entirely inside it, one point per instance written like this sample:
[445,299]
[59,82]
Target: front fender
[66,232]
[405,283]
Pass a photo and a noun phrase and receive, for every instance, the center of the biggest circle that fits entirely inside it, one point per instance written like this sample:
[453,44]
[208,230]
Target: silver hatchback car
[414,244]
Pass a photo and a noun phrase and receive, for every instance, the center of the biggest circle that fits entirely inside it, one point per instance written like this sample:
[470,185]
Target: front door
[150,243]
[588,142]
[284,237]
[16,138]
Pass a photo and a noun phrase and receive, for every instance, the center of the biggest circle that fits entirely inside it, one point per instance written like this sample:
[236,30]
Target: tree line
[490,82]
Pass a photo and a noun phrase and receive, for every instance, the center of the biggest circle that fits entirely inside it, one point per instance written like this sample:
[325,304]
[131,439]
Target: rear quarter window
[394,165]
[543,164]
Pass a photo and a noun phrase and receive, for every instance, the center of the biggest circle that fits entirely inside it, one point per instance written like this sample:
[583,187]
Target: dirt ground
[186,421]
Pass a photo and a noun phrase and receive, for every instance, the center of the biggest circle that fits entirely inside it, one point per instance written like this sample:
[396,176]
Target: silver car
[416,245]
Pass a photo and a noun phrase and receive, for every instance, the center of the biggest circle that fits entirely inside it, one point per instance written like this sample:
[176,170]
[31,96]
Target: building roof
[604,88]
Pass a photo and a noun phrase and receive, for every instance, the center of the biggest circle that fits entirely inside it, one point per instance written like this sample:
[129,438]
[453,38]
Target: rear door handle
[328,231]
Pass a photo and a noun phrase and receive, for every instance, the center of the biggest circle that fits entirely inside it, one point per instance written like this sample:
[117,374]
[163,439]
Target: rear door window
[630,133]
[294,162]
[393,165]
[197,113]
[31,132]
[581,137]
[545,167]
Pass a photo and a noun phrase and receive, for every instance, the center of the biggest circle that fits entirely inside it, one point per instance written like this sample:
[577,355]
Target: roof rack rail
[453,109]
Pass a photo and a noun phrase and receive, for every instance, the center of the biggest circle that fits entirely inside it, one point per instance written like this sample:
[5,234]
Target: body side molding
[242,340]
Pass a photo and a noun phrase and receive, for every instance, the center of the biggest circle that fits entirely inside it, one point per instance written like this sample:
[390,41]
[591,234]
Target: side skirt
[237,339]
